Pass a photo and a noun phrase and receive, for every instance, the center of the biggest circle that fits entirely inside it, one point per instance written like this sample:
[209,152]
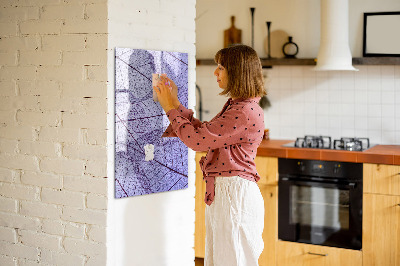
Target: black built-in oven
[320,202]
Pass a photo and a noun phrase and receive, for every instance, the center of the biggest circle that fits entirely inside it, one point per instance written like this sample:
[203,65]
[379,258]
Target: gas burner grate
[351,144]
[320,142]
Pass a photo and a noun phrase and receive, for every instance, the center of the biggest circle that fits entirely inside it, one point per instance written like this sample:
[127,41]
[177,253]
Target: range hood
[334,51]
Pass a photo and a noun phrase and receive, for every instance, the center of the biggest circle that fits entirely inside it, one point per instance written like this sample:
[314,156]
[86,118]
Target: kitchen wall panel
[338,104]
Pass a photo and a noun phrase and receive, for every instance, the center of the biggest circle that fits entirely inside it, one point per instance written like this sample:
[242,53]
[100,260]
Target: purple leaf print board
[145,163]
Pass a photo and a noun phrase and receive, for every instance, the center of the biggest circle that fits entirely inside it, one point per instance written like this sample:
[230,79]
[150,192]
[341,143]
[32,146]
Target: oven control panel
[330,169]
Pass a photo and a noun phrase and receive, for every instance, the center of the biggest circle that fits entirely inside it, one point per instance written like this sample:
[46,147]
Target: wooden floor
[199,262]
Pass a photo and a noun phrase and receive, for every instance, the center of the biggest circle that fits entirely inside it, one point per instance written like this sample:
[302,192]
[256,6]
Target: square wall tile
[322,83]
[361,124]
[397,71]
[374,84]
[388,110]
[310,95]
[388,124]
[397,122]
[388,137]
[360,133]
[285,83]
[361,110]
[322,109]
[310,108]
[348,123]
[297,83]
[348,132]
[387,72]
[322,121]
[374,110]
[375,136]
[388,97]
[374,123]
[335,95]
[335,122]
[322,95]
[348,96]
[361,97]
[374,97]
[388,84]
[296,71]
[334,109]
[347,109]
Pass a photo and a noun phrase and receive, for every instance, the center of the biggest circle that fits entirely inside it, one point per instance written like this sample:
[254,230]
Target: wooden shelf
[376,61]
[312,61]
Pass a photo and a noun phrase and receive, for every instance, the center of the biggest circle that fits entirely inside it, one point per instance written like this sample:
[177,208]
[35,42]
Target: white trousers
[234,223]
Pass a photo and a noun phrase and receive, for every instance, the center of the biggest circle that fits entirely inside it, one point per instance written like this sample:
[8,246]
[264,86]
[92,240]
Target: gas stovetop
[325,142]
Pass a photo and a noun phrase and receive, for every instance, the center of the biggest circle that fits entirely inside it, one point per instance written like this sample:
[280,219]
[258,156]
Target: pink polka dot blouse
[231,139]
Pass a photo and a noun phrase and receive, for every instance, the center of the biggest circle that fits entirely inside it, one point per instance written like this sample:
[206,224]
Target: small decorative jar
[290,49]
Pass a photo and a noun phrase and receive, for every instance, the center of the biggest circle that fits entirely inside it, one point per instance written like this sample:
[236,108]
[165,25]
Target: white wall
[298,18]
[156,229]
[338,104]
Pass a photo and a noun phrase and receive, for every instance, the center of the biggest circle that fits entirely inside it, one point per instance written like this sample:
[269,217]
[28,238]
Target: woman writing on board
[235,208]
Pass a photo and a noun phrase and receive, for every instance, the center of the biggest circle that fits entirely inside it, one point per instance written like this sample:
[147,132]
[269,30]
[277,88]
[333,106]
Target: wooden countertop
[379,154]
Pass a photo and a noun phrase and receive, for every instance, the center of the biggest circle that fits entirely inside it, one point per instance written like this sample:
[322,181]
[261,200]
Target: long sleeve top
[231,139]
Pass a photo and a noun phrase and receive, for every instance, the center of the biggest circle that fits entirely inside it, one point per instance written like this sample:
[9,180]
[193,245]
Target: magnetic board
[145,163]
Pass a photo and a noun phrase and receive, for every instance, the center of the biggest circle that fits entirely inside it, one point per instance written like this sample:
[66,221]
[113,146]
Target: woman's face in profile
[222,76]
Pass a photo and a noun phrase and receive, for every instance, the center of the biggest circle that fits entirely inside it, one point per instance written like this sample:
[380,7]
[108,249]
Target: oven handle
[297,181]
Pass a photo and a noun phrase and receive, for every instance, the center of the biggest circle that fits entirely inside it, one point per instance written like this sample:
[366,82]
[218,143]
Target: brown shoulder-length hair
[245,78]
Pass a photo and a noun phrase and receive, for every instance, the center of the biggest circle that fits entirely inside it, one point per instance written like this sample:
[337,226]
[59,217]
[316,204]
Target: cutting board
[232,35]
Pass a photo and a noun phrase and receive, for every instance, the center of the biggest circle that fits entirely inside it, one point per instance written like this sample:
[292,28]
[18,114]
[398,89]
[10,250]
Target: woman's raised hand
[164,94]
[174,90]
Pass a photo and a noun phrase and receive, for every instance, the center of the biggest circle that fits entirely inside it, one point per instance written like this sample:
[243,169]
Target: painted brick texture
[53,111]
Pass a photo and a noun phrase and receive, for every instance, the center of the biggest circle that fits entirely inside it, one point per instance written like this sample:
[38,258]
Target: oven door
[321,212]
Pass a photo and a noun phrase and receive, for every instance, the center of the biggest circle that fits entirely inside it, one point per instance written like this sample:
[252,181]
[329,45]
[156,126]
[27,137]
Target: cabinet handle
[318,254]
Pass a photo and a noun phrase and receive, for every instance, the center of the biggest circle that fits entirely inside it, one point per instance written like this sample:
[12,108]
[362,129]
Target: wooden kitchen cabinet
[200,207]
[298,254]
[267,168]
[381,230]
[270,233]
[381,215]
[381,179]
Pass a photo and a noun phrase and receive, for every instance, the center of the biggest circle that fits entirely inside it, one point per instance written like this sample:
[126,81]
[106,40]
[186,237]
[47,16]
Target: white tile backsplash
[374,110]
[388,110]
[374,97]
[388,97]
[364,103]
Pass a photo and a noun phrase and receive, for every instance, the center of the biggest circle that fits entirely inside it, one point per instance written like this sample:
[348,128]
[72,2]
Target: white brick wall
[53,110]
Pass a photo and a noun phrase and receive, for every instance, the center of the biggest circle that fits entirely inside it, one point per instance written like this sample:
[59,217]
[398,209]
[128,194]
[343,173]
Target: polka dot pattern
[231,139]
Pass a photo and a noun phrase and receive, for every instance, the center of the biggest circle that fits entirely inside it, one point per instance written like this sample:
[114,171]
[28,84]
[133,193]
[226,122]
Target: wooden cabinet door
[297,254]
[267,168]
[381,230]
[200,207]
[270,233]
[381,179]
